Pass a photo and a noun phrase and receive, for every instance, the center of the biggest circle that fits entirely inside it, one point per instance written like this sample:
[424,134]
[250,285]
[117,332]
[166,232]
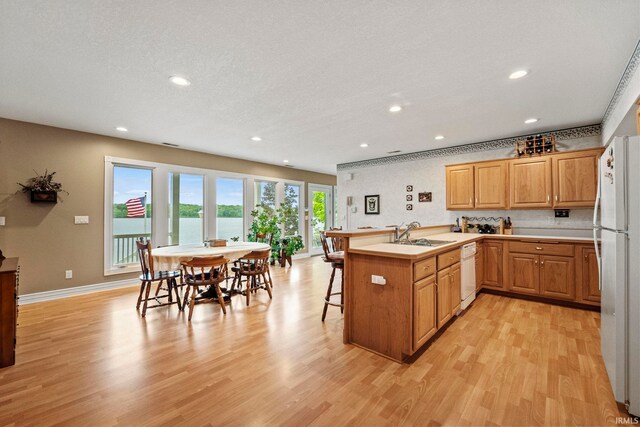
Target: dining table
[168,258]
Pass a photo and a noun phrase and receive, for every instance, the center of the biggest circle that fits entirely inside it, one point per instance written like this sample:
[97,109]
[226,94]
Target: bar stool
[336,258]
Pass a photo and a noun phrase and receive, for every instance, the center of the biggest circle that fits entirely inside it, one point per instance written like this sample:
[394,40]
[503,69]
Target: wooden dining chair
[150,276]
[254,267]
[333,254]
[204,271]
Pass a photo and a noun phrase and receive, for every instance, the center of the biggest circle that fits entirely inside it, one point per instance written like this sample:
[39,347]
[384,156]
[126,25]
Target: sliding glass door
[320,214]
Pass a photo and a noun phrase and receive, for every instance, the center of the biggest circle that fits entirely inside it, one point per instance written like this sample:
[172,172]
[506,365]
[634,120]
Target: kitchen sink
[424,242]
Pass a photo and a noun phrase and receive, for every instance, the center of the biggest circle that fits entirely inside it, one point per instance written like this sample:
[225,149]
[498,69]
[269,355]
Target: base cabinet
[424,311]
[587,276]
[456,288]
[524,273]
[444,296]
[493,277]
[479,266]
[557,277]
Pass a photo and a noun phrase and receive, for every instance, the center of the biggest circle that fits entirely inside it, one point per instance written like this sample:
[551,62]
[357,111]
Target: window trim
[159,197]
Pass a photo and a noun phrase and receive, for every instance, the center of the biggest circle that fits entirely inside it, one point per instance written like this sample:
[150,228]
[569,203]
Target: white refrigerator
[617,220]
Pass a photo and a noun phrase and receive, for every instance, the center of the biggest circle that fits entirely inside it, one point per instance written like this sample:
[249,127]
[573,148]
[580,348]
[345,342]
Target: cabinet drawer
[541,248]
[448,258]
[424,268]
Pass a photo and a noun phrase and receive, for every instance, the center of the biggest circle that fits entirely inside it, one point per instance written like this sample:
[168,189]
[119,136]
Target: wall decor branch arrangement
[43,188]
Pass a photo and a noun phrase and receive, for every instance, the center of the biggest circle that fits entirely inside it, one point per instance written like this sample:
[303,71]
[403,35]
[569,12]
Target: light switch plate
[2,221]
[68,274]
[81,220]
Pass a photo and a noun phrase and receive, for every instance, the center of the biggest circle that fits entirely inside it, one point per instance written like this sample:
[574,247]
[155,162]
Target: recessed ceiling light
[180,81]
[256,138]
[439,137]
[529,121]
[518,74]
[122,129]
[364,145]
[286,161]
[395,108]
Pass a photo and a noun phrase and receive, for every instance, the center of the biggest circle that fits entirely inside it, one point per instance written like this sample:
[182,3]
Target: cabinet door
[479,267]
[491,185]
[557,277]
[493,265]
[424,311]
[444,297]
[524,273]
[575,178]
[590,277]
[530,183]
[459,187]
[456,288]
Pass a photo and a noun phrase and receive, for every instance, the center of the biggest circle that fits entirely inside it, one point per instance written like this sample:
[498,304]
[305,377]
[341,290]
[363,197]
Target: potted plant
[288,247]
[266,221]
[42,188]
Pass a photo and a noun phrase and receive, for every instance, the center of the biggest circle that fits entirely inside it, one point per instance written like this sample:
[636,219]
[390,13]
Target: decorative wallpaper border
[632,66]
[563,134]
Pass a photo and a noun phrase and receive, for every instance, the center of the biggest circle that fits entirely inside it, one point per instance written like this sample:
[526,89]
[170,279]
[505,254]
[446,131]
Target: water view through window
[131,211]
[229,208]
[186,208]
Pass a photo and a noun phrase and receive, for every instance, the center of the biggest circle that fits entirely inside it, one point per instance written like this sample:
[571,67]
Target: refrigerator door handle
[598,257]
[596,207]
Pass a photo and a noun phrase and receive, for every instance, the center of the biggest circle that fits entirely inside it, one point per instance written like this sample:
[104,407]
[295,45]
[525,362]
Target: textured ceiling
[313,79]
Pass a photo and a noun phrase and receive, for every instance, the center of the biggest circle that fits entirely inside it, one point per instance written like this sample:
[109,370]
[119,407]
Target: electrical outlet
[68,274]
[2,221]
[378,280]
[562,213]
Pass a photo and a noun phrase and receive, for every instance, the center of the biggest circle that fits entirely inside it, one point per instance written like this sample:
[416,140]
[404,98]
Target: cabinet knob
[556,197]
[548,198]
[535,262]
[542,263]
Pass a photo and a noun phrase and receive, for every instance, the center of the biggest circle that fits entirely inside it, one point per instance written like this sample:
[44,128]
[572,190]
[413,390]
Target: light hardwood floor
[91,360]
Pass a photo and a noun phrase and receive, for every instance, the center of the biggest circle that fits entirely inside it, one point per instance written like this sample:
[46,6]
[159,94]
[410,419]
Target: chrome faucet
[406,233]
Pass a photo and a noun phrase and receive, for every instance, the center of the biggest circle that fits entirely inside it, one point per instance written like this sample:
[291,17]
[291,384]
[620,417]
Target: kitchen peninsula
[397,297]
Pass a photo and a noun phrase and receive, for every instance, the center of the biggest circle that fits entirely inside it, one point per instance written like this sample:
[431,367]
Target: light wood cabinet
[444,296]
[575,179]
[530,183]
[557,277]
[459,187]
[493,265]
[424,311]
[588,276]
[491,185]
[524,273]
[456,291]
[479,266]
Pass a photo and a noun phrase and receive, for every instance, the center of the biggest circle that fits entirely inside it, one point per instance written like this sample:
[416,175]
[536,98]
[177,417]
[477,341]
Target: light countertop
[415,252]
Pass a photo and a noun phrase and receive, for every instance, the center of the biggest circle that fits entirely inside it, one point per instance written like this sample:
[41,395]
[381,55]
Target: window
[291,209]
[229,208]
[131,212]
[186,208]
[265,195]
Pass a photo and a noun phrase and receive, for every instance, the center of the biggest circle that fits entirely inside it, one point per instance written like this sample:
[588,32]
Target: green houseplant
[266,220]
[289,246]
[43,188]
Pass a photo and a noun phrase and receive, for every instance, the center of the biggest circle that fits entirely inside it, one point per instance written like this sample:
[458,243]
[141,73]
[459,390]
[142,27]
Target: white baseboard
[78,290]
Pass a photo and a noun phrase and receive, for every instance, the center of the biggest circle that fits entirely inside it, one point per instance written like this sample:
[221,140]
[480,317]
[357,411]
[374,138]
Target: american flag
[136,207]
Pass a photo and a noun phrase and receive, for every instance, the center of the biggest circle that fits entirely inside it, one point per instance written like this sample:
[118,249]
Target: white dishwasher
[468,274]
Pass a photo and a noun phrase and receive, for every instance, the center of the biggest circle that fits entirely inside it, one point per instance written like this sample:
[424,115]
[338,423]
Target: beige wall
[44,236]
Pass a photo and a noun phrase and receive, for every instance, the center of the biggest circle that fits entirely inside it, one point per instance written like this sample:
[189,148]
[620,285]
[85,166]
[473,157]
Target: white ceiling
[313,79]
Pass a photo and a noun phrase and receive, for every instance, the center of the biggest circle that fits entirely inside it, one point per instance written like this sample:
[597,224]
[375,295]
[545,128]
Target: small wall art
[409,188]
[409,206]
[372,204]
[409,197]
[424,197]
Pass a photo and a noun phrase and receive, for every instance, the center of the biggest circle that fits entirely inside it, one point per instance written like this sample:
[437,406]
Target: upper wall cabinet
[460,187]
[531,183]
[492,185]
[561,180]
[575,177]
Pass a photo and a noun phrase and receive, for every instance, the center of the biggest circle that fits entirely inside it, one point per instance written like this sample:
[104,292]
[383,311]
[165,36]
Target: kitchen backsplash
[390,181]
